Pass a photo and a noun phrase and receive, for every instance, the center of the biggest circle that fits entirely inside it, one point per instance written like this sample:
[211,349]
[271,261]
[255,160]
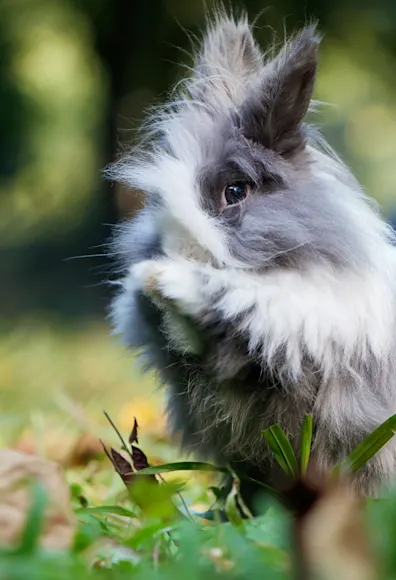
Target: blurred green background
[75,79]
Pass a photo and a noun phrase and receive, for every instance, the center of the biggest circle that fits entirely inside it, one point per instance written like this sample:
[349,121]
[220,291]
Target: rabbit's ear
[228,59]
[273,113]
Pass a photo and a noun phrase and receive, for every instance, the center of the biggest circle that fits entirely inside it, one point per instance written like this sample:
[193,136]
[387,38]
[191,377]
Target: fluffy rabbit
[255,232]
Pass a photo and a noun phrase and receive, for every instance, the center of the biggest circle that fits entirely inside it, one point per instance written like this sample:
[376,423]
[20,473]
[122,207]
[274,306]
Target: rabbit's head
[235,175]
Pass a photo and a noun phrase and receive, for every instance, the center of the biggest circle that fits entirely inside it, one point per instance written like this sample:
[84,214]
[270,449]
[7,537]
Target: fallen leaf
[16,470]
[332,537]
[85,449]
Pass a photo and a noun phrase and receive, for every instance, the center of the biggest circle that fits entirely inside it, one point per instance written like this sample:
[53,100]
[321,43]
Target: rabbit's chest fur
[224,420]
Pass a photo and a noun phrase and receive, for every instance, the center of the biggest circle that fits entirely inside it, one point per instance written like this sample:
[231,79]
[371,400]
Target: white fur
[174,177]
[307,311]
[222,67]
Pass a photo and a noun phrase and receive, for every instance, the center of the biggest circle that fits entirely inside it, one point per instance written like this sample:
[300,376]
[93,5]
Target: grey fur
[290,208]
[249,123]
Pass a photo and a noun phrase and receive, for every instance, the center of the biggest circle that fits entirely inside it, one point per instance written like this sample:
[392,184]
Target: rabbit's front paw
[146,275]
[170,281]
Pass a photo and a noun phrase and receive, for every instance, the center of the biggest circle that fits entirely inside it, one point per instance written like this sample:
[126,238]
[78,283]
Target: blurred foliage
[145,529]
[54,70]
[75,79]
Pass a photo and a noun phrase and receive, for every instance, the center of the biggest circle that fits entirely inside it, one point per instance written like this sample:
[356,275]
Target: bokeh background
[75,79]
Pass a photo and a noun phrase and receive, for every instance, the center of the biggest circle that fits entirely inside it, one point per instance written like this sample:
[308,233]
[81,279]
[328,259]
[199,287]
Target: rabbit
[258,238]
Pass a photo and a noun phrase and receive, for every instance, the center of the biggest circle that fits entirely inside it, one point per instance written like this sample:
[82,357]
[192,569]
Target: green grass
[144,532]
[56,380]
[54,386]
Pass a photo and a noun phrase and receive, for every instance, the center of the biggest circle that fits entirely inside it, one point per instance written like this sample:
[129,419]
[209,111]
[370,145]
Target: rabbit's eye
[236,192]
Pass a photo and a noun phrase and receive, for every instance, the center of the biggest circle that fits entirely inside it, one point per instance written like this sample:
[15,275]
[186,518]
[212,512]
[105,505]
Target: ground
[55,384]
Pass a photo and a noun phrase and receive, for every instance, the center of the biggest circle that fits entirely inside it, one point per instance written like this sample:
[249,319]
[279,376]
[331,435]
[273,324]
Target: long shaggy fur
[292,290]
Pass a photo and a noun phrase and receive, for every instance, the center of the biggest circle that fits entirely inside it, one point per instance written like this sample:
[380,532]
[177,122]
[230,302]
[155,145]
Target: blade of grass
[271,490]
[181,466]
[282,449]
[306,443]
[107,509]
[200,466]
[231,506]
[122,440]
[369,446]
[242,506]
[35,519]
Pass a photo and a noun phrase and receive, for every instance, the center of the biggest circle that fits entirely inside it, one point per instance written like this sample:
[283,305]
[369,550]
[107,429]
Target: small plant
[150,533]
[283,452]
[357,458]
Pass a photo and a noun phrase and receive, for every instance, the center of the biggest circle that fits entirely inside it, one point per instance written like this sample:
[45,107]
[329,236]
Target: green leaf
[306,443]
[181,466]
[272,529]
[107,509]
[282,449]
[271,490]
[35,519]
[154,500]
[369,446]
[89,530]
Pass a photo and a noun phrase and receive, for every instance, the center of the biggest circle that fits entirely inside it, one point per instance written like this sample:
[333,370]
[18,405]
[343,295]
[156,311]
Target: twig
[156,554]
[124,446]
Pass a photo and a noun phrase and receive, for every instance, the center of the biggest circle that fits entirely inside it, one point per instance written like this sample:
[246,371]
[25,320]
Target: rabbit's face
[233,171]
[274,208]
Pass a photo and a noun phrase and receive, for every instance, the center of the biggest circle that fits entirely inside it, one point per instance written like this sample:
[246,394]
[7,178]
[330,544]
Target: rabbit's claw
[147,274]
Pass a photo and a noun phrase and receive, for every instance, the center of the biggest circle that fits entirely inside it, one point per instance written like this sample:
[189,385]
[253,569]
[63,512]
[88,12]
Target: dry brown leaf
[16,469]
[55,444]
[86,448]
[133,437]
[122,466]
[69,450]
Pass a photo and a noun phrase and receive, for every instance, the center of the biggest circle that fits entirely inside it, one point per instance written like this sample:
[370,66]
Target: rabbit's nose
[177,241]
